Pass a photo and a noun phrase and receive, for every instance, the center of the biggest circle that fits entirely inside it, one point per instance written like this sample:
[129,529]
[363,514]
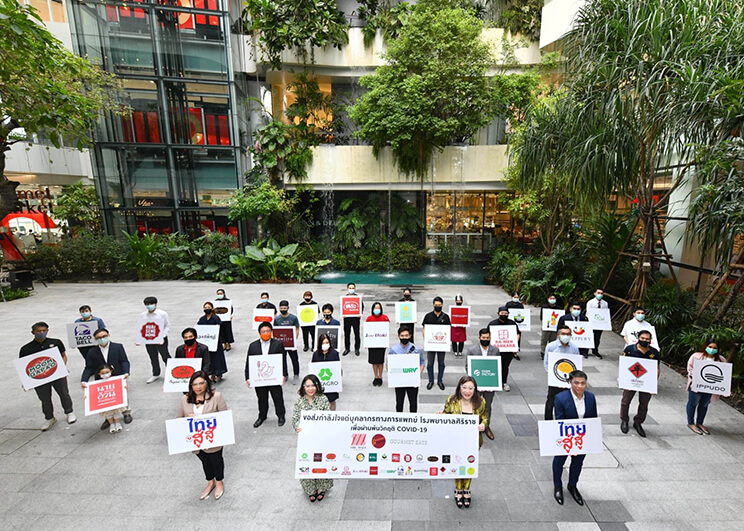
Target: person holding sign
[484,348]
[40,343]
[506,357]
[642,349]
[86,316]
[226,330]
[458,334]
[192,349]
[574,403]
[698,401]
[265,304]
[574,314]
[515,303]
[289,319]
[548,336]
[405,346]
[328,319]
[467,401]
[376,356]
[437,317]
[312,399]
[352,323]
[201,399]
[562,345]
[325,353]
[160,318]
[308,332]
[407,298]
[630,328]
[262,347]
[112,416]
[217,361]
[597,303]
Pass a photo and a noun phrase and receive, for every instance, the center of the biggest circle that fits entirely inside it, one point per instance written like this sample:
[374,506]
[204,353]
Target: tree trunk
[730,299]
[719,283]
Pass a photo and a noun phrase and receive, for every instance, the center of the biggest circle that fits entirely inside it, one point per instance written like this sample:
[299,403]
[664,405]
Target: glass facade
[169,160]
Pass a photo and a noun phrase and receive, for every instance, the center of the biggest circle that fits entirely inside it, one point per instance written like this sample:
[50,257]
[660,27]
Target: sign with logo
[632,328]
[560,366]
[487,372]
[404,370]
[405,312]
[285,334]
[149,332]
[600,318]
[266,370]
[223,309]
[261,315]
[638,374]
[307,314]
[81,334]
[351,306]
[713,377]
[459,315]
[178,372]
[437,338]
[376,334]
[376,445]
[332,331]
[329,374]
[550,319]
[582,333]
[522,317]
[105,395]
[208,335]
[201,432]
[504,337]
[40,368]
[570,437]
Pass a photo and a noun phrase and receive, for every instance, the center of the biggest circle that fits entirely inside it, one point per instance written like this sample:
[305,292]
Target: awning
[39,217]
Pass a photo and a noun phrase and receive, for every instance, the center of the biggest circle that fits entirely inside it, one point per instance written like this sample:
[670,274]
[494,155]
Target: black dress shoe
[127,418]
[598,355]
[105,425]
[258,422]
[429,385]
[576,495]
[441,385]
[558,495]
[516,357]
[639,429]
[357,352]
[305,349]
[345,353]
[624,426]
[281,421]
[489,433]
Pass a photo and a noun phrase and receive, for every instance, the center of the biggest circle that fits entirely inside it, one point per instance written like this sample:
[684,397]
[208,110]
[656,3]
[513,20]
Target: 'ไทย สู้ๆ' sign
[376,334]
[105,395]
[329,374]
[713,377]
[81,334]
[200,432]
[638,374]
[570,437]
[40,368]
[178,372]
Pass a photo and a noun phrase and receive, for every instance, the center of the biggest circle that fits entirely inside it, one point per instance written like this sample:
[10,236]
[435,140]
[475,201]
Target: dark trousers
[153,351]
[351,323]
[457,347]
[574,469]
[597,337]
[697,402]
[550,402]
[84,351]
[44,392]
[506,359]
[213,464]
[308,336]
[546,337]
[488,397]
[295,357]
[430,365]
[263,400]
[400,396]
[643,400]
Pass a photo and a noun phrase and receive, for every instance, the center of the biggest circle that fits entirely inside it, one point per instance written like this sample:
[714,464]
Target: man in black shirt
[642,349]
[506,357]
[264,304]
[437,317]
[44,392]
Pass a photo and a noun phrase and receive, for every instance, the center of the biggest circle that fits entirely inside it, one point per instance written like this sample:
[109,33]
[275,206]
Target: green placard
[487,372]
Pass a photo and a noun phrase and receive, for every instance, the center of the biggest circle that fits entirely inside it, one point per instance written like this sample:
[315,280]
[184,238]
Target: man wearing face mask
[506,357]
[153,314]
[405,346]
[548,336]
[642,349]
[484,348]
[106,352]
[265,302]
[597,302]
[574,314]
[308,331]
[352,323]
[264,346]
[289,319]
[191,349]
[562,345]
[86,316]
[436,317]
[632,328]
[407,298]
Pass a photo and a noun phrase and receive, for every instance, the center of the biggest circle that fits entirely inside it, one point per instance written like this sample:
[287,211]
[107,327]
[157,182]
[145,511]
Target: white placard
[223,309]
[638,374]
[105,395]
[504,337]
[582,334]
[81,334]
[376,334]
[437,338]
[570,437]
[201,432]
[266,370]
[40,368]
[208,335]
[550,318]
[307,314]
[523,318]
[713,377]
[178,372]
[384,445]
[405,312]
[404,370]
[560,366]
[261,315]
[632,328]
[329,374]
[600,318]
[150,331]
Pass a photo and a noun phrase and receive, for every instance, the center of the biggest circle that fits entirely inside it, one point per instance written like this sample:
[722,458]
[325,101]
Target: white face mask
[105,375]
[564,339]
[325,347]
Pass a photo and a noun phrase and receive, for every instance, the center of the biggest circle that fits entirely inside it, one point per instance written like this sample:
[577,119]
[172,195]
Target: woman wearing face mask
[514,302]
[324,353]
[697,401]
[308,332]
[218,364]
[376,356]
[226,330]
[458,334]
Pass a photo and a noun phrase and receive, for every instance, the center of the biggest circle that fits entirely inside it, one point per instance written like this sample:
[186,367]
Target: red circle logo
[41,367]
[150,331]
[182,371]
[378,441]
[471,459]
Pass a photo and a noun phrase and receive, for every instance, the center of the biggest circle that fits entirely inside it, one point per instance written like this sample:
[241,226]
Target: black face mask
[189,342]
[437,309]
[405,340]
[284,312]
[207,310]
[485,342]
[407,297]
[644,344]
[327,317]
[503,318]
[308,299]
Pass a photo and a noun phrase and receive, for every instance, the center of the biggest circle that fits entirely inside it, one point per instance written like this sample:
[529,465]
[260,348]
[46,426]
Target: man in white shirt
[484,348]
[160,318]
[597,302]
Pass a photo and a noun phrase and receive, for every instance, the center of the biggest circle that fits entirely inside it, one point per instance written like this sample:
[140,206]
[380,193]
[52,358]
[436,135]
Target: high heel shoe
[466,501]
[458,498]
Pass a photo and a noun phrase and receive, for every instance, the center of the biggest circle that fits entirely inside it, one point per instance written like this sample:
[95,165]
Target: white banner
[208,335]
[560,366]
[376,334]
[632,328]
[713,377]
[307,314]
[178,372]
[149,332]
[570,437]
[600,318]
[266,370]
[223,309]
[437,338]
[504,337]
[550,319]
[105,395]
[582,334]
[40,368]
[329,373]
[522,317]
[201,432]
[81,334]
[373,445]
[404,370]
[261,315]
[638,374]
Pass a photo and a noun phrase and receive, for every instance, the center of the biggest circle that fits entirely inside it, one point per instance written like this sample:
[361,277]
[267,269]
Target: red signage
[41,368]
[351,306]
[460,315]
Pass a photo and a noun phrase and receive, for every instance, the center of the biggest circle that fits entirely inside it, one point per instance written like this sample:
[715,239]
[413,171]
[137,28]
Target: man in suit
[262,347]
[574,314]
[192,349]
[574,403]
[106,352]
[484,348]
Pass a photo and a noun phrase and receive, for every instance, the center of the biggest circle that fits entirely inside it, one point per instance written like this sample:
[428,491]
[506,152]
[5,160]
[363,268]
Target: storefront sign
[459,315]
[332,331]
[266,370]
[405,312]
[712,377]
[404,370]
[487,372]
[550,319]
[582,334]
[437,338]
[522,317]
[81,334]
[600,318]
[208,335]
[223,309]
[178,372]
[351,306]
[307,314]
[504,337]
[285,334]
[560,366]
[262,315]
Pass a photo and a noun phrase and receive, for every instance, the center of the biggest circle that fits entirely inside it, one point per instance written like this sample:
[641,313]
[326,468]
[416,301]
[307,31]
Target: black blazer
[117,358]
[566,409]
[275,347]
[201,352]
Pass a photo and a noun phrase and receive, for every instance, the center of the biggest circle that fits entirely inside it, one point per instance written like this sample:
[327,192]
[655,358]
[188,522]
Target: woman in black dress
[326,352]
[226,330]
[219,364]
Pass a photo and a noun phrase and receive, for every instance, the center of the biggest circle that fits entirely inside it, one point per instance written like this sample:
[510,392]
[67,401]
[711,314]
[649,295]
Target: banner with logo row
[381,445]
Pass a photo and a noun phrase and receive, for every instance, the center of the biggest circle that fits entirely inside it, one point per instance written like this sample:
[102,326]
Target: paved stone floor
[76,476]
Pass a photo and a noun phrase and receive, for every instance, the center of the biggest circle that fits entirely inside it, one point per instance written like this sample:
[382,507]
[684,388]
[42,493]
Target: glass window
[42,6]
[439,209]
[205,177]
[469,212]
[143,173]
[197,118]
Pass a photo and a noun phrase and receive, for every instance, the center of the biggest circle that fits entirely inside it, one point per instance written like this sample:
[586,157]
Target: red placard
[351,306]
[104,395]
[285,334]
[459,315]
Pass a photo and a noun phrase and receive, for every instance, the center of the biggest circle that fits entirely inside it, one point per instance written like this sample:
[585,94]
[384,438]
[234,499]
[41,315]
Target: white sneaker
[117,426]
[71,418]
[48,424]
[507,388]
[112,428]
[153,379]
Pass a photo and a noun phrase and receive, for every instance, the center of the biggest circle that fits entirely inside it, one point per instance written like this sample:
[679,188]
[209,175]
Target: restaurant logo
[41,368]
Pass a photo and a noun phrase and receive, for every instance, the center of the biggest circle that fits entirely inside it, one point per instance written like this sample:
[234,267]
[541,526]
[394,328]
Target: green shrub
[86,256]
[13,294]
[398,256]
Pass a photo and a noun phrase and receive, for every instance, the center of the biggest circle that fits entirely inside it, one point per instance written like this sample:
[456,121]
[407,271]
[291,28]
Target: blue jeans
[430,365]
[700,402]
